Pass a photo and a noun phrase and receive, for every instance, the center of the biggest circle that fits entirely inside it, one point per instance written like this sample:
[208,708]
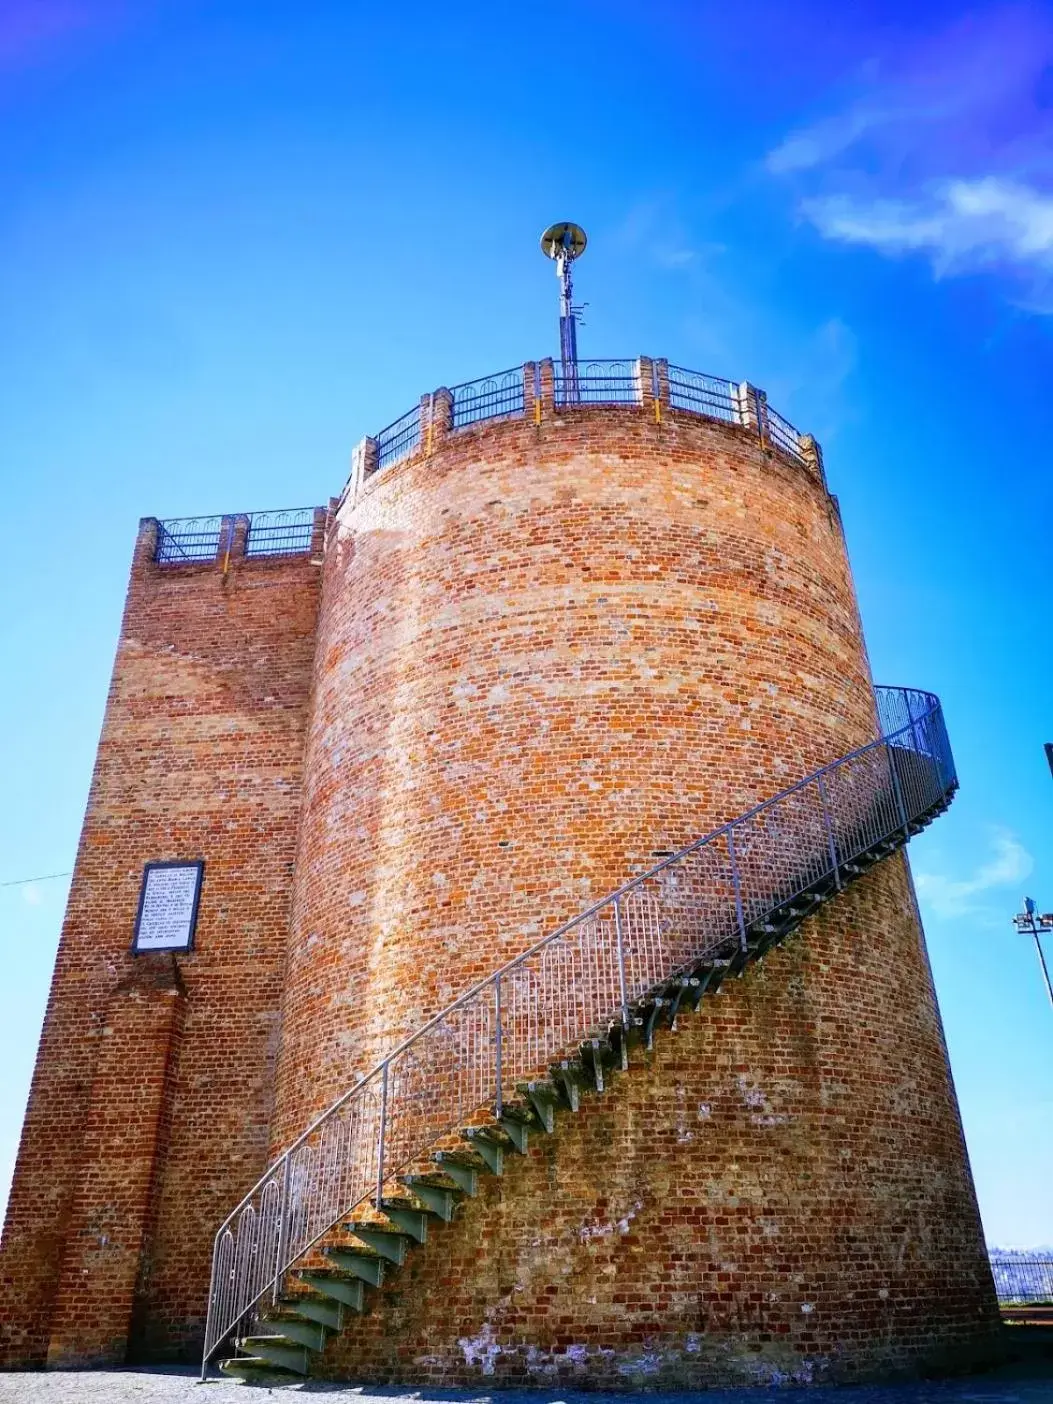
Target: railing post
[498,1050]
[382,1133]
[830,843]
[211,1312]
[282,1227]
[737,883]
[624,994]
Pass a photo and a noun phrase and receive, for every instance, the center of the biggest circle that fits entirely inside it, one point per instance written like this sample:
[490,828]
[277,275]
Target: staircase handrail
[504,1032]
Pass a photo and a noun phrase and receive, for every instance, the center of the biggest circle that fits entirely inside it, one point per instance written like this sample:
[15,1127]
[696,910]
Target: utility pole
[1033,924]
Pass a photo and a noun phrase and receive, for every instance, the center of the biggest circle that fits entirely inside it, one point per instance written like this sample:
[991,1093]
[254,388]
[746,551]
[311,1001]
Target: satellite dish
[563,238]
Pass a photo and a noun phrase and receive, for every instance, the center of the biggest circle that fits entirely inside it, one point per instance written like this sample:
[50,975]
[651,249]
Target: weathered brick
[539,652]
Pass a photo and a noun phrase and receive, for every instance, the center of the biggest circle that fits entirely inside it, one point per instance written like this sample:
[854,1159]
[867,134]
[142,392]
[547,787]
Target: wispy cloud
[1009,863]
[944,149]
[31,895]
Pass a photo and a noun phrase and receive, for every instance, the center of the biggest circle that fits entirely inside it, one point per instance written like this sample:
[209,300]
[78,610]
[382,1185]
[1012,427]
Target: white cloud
[31,895]
[943,149]
[964,224]
[948,897]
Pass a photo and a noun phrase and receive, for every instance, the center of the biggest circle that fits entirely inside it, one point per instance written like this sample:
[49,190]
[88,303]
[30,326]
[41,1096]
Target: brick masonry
[150,1106]
[545,653]
[539,652]
[779,1193]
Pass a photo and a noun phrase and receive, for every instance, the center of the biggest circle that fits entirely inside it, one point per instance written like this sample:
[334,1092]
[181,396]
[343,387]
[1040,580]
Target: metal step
[544,1097]
[487,1145]
[406,1217]
[439,1200]
[368,1267]
[391,1244]
[254,1369]
[276,1350]
[343,1291]
[294,1330]
[461,1169]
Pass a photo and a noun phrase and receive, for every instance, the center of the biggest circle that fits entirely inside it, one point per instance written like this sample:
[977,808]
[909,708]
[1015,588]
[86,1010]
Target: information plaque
[168,902]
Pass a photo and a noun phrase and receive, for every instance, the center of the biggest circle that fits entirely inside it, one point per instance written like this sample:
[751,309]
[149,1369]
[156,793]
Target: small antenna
[565,242]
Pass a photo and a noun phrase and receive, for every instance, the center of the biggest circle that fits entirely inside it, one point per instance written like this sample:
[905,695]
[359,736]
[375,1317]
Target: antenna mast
[564,243]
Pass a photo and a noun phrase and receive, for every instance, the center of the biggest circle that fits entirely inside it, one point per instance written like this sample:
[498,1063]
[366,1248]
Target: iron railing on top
[183,540]
[597,383]
[399,439]
[187,540]
[582,978]
[286,533]
[1023,1279]
[610,382]
[493,397]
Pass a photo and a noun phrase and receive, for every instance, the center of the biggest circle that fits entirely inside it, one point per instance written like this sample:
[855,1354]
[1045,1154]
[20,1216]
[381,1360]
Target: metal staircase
[348,1201]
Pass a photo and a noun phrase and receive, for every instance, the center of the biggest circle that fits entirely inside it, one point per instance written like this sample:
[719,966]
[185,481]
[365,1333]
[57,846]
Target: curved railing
[582,979]
[512,393]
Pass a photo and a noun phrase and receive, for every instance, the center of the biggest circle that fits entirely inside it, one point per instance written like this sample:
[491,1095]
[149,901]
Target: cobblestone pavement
[182,1387]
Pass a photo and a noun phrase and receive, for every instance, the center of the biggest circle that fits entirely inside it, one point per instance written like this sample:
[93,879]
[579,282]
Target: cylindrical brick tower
[553,648]
[547,653]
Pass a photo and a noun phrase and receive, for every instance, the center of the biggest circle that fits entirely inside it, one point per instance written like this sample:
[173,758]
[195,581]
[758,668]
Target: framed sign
[168,901]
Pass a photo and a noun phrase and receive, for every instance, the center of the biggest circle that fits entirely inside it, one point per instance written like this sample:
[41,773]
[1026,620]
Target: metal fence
[493,397]
[186,540]
[286,533]
[704,394]
[597,383]
[782,433]
[399,439]
[579,982]
[1023,1280]
[182,540]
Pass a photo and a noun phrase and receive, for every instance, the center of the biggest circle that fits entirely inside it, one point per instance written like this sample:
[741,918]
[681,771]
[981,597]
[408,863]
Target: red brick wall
[125,1138]
[778,1193]
[544,654]
[200,756]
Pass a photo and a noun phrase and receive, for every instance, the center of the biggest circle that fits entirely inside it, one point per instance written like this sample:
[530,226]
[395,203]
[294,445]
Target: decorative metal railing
[181,540]
[399,439]
[597,382]
[1023,1280]
[705,394]
[186,540]
[493,397]
[584,977]
[286,533]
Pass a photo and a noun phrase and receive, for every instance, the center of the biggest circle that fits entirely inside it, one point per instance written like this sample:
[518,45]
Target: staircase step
[295,1330]
[276,1350]
[544,1098]
[461,1170]
[367,1267]
[595,1053]
[406,1217]
[489,1147]
[391,1244]
[343,1291]
[254,1369]
[439,1200]
[569,1076]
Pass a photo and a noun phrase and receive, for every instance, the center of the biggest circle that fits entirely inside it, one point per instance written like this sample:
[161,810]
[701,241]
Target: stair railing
[576,982]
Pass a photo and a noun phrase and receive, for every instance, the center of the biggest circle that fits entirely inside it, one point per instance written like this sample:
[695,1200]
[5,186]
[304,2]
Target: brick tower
[550,1069]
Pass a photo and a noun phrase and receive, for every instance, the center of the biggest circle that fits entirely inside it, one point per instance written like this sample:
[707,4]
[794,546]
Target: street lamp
[1028,921]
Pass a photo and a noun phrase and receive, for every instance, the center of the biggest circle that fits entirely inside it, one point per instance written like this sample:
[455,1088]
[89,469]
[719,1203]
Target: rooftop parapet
[543,389]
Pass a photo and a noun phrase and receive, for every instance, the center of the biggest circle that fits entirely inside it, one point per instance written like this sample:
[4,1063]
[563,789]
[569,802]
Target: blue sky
[237,236]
